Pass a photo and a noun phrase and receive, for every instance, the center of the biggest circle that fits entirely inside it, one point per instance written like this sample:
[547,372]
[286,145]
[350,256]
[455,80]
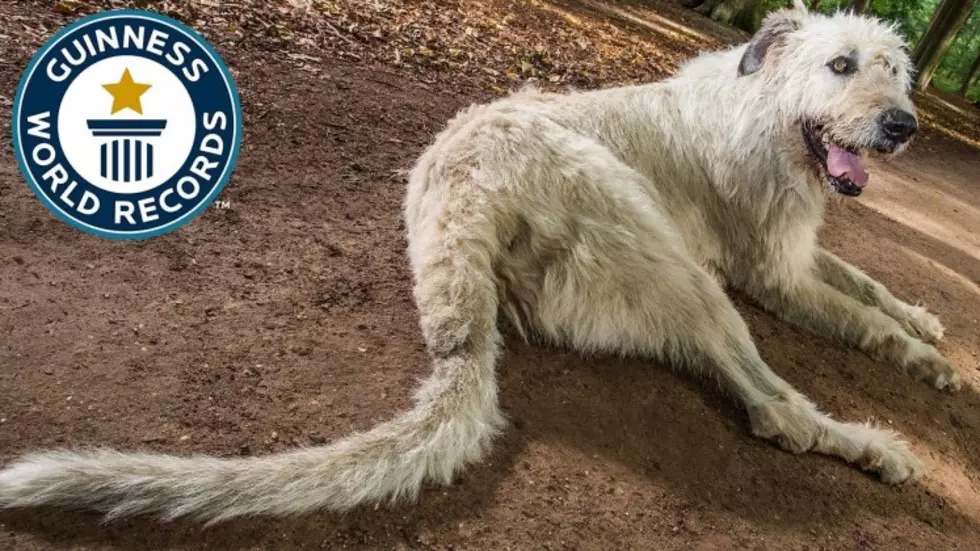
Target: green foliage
[960,57]
[912,18]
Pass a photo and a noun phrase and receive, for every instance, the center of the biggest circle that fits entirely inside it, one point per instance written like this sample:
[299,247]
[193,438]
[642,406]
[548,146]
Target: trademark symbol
[222,205]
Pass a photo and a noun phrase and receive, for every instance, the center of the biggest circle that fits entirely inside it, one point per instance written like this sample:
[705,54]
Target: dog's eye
[842,65]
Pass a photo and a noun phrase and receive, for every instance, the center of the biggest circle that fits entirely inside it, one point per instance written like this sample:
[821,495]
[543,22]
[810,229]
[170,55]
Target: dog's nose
[898,125]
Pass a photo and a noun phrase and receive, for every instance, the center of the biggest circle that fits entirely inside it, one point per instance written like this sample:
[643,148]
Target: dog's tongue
[841,161]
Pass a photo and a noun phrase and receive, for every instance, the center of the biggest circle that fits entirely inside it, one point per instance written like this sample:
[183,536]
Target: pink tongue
[841,161]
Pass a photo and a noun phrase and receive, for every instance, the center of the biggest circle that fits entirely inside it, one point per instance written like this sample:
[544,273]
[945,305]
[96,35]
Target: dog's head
[841,82]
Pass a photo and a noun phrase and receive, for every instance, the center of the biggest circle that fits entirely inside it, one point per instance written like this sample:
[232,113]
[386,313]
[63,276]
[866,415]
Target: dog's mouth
[842,165]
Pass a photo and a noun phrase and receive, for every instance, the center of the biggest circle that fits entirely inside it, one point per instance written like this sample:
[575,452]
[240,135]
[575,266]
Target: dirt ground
[286,319]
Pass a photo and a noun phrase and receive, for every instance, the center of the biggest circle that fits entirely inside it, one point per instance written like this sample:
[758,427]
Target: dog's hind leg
[623,285]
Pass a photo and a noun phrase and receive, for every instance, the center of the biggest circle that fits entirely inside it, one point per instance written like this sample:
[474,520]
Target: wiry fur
[608,221]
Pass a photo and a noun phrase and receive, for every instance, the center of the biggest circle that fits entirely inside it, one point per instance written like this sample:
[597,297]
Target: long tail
[452,423]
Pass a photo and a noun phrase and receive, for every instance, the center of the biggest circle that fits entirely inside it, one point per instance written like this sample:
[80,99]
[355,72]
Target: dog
[609,221]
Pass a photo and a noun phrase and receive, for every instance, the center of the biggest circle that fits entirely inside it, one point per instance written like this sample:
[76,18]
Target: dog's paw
[919,323]
[891,458]
[926,364]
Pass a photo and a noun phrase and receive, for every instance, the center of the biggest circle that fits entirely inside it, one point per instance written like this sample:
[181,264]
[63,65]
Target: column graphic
[126,155]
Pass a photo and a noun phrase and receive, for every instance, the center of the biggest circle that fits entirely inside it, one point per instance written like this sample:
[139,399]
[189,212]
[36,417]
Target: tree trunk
[744,14]
[858,6]
[929,52]
[971,76]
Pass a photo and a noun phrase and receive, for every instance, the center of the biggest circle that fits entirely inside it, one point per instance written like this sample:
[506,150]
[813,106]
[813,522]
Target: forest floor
[287,319]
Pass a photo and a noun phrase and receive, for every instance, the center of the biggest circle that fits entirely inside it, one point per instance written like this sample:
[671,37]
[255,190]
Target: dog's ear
[773,29]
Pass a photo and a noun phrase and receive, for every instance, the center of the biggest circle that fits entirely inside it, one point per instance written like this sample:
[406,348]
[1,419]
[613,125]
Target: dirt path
[287,320]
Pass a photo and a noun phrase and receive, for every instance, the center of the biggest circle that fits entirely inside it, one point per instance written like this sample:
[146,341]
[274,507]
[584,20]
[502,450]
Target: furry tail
[452,423]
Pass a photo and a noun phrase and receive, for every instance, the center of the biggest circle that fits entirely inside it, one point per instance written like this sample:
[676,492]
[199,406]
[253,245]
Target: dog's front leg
[853,282]
[809,302]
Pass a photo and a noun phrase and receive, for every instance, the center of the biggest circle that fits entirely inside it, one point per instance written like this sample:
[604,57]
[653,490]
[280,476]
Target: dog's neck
[758,141]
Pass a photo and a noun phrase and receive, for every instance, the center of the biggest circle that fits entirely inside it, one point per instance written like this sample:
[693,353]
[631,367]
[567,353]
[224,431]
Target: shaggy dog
[607,221]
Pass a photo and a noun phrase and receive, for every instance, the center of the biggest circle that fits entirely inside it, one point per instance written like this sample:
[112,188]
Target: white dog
[607,221]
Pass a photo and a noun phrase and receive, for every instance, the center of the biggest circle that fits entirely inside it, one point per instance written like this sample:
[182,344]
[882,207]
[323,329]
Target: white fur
[609,221]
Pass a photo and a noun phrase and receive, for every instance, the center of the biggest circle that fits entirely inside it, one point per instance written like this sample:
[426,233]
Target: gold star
[126,93]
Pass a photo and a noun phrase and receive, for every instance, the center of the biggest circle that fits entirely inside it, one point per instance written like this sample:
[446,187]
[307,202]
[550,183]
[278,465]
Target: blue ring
[236,142]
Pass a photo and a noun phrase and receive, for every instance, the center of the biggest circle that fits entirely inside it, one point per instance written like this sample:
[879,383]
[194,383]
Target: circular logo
[126,124]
